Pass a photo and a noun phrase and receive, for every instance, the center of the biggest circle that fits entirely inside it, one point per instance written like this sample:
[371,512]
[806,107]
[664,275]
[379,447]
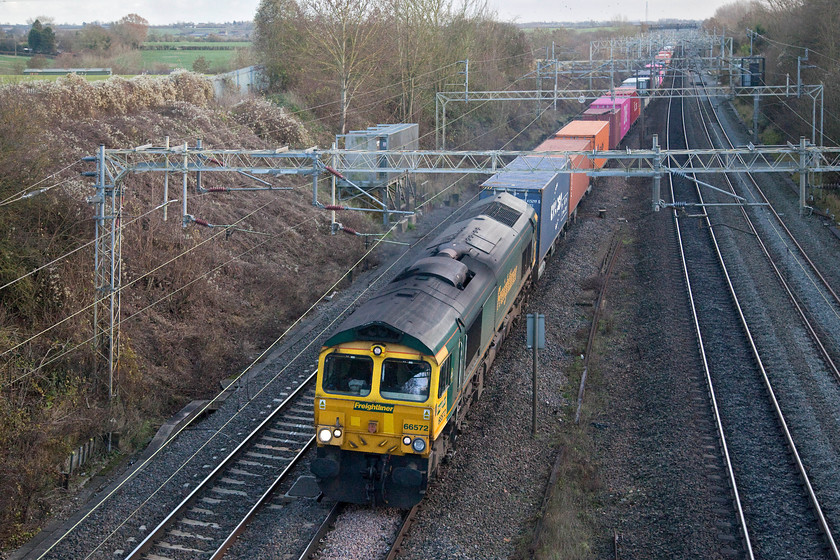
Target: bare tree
[346,43]
[430,37]
[132,30]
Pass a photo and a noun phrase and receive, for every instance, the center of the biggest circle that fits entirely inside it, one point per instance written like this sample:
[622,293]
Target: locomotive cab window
[346,374]
[405,380]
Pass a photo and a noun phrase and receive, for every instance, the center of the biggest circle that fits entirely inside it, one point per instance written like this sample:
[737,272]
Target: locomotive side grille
[501,213]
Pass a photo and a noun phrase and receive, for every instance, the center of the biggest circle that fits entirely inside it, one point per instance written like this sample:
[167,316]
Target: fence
[93,448]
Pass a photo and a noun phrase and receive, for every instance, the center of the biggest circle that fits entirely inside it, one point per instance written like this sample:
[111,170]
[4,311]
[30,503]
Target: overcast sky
[160,12]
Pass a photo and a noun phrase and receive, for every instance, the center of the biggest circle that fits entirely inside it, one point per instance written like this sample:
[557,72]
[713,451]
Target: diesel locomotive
[397,377]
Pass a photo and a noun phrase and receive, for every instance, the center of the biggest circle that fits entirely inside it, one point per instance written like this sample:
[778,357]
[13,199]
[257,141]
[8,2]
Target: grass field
[220,61]
[9,64]
[231,44]
[184,59]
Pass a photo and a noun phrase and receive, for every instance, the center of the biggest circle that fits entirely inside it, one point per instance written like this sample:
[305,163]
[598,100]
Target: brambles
[270,122]
[73,97]
[186,325]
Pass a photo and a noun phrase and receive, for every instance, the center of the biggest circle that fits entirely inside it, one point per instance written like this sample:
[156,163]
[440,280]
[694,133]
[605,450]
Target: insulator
[333,207]
[201,222]
[349,231]
[217,189]
[334,172]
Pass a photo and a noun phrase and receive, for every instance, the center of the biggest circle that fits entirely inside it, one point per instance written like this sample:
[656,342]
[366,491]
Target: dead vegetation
[197,304]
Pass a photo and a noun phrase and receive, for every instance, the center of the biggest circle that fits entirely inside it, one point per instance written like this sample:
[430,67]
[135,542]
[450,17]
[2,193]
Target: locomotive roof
[421,306]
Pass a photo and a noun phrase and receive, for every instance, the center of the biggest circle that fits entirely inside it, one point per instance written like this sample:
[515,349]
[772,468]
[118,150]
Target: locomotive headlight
[337,433]
[325,435]
[407,440]
[418,445]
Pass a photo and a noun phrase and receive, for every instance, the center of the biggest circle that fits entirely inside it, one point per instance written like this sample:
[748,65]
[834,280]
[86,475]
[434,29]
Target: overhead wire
[140,312]
[809,49]
[402,82]
[97,302]
[77,249]
[131,283]
[265,352]
[22,192]
[379,100]
[219,430]
[186,252]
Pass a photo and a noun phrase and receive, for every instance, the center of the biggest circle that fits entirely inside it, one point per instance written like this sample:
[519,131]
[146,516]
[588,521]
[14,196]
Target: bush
[270,122]
[73,97]
[201,65]
[39,61]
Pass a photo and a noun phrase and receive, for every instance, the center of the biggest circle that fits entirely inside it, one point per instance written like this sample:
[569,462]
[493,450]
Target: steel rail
[771,393]
[243,446]
[603,274]
[322,531]
[405,525]
[739,508]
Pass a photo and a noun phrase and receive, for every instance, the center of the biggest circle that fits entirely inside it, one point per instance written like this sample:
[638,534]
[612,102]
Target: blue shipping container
[546,191]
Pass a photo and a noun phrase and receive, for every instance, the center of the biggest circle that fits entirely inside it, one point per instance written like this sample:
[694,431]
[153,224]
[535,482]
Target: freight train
[396,379]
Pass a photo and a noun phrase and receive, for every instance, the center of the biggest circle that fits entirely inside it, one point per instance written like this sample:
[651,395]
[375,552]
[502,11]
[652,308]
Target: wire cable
[140,312]
[22,192]
[132,282]
[77,249]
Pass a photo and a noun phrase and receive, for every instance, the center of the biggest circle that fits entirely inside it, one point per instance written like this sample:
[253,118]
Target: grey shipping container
[545,190]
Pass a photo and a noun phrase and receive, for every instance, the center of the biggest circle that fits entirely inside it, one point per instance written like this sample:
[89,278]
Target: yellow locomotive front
[374,422]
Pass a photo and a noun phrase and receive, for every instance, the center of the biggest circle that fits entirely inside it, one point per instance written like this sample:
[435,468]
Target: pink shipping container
[612,116]
[579,182]
[630,108]
[598,132]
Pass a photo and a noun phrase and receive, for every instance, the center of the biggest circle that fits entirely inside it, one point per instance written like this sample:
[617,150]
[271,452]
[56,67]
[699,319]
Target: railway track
[815,301]
[207,521]
[332,541]
[775,516]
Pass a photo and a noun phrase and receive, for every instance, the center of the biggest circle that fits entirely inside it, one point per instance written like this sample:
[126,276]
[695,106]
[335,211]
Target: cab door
[458,359]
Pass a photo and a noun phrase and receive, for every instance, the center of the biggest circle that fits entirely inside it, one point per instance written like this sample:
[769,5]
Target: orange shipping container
[579,182]
[597,131]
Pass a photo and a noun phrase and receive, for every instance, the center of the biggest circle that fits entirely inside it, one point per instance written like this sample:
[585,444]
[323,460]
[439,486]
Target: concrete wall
[243,80]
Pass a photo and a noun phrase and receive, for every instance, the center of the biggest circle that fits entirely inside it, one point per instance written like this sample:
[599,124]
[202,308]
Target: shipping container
[653,77]
[546,191]
[626,91]
[579,182]
[599,131]
[641,85]
[630,108]
[610,115]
